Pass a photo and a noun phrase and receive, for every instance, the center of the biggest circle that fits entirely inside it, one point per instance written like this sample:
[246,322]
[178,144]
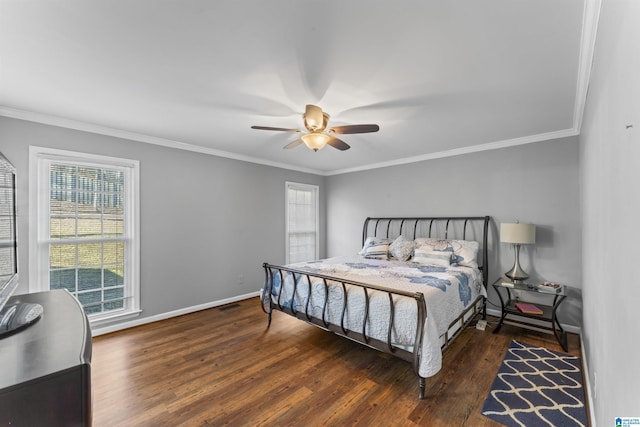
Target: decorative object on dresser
[383,301]
[517,234]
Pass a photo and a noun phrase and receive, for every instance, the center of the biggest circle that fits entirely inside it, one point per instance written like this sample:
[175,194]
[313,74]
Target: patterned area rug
[537,387]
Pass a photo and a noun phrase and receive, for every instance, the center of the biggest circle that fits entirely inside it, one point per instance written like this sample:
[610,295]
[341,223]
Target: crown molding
[590,19]
[133,136]
[465,150]
[103,130]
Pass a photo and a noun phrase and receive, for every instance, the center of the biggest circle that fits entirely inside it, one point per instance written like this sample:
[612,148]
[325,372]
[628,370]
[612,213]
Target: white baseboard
[587,385]
[125,325]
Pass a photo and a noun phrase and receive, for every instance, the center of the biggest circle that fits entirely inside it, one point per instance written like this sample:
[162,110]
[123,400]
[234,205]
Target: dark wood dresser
[45,369]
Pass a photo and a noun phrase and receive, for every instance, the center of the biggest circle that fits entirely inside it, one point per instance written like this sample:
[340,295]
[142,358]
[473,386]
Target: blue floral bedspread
[447,290]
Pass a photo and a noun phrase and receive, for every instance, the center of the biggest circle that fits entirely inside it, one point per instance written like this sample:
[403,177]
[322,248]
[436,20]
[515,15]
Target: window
[302,222]
[86,239]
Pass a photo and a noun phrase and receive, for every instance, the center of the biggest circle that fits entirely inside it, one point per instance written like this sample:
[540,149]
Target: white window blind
[87,238]
[302,237]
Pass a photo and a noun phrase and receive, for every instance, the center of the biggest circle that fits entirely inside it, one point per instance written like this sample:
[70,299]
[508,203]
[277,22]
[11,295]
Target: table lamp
[517,234]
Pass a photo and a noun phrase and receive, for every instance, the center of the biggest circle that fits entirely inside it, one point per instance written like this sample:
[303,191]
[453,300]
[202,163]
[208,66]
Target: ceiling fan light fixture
[315,140]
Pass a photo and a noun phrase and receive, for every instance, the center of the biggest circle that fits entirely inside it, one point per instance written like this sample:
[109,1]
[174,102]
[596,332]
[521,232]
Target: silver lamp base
[517,274]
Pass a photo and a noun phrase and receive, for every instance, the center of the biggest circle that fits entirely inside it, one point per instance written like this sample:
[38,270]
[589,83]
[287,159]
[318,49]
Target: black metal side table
[508,308]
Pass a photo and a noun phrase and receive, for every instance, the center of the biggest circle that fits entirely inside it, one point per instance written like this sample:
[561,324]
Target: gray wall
[535,183]
[610,163]
[207,223]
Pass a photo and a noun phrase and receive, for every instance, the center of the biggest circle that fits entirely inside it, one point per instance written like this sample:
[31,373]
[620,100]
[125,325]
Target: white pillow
[465,252]
[438,258]
[402,248]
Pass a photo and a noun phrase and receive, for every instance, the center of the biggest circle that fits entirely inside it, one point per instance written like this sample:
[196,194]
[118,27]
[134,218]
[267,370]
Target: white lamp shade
[523,234]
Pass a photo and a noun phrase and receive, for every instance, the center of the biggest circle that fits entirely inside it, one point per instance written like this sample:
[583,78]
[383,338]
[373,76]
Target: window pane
[112,214]
[95,309]
[62,256]
[63,279]
[90,254]
[86,203]
[113,294]
[91,298]
[113,226]
[114,276]
[89,278]
[302,222]
[62,212]
[113,305]
[89,226]
[113,253]
[302,247]
[62,177]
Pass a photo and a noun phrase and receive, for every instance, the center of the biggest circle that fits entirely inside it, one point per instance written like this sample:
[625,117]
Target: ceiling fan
[317,136]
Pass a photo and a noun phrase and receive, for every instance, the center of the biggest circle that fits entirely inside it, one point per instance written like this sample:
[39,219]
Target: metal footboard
[274,301]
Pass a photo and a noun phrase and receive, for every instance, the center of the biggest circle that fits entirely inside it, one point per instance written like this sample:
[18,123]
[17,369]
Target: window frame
[40,158]
[316,194]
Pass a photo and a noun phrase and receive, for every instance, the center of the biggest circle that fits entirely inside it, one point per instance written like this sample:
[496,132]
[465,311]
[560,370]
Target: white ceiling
[439,77]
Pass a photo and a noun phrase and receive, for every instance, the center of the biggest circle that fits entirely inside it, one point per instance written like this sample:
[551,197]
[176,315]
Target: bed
[410,291]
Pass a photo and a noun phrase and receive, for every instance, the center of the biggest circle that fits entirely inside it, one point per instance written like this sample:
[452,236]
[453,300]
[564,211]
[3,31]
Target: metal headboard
[461,228]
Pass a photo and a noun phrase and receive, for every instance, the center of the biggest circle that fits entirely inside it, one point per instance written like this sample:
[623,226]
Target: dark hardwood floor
[222,366]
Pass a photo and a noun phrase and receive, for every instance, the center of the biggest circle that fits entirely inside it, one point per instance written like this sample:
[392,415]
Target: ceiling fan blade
[338,143]
[272,128]
[354,129]
[293,144]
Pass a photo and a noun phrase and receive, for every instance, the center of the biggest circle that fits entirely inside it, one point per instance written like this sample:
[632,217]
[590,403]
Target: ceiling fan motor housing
[315,120]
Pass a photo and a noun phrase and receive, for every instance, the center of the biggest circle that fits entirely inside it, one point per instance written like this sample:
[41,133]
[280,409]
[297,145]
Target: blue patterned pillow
[401,248]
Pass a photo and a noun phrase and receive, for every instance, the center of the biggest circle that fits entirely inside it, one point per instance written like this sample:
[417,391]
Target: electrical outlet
[240,279]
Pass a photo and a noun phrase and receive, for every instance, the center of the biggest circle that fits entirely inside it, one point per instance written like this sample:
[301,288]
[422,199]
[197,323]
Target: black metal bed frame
[388,228]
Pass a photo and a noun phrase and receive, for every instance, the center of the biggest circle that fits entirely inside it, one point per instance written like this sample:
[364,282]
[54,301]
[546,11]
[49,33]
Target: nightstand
[504,287]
